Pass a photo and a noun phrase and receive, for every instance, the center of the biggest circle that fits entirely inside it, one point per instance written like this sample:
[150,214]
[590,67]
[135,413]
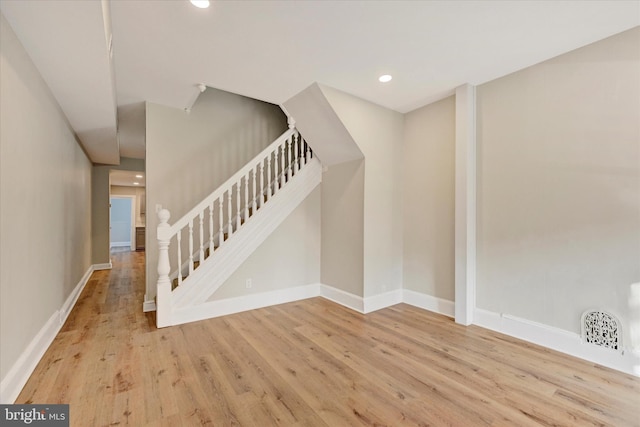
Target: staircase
[213,239]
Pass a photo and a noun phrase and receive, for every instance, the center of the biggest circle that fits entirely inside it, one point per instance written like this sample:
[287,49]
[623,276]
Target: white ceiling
[127,178]
[272,50]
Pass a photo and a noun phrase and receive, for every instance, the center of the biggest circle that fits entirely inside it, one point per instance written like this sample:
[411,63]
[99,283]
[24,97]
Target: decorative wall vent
[602,329]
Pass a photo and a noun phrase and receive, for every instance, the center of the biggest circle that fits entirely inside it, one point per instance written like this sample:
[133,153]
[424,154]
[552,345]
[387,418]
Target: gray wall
[428,205]
[559,185]
[289,257]
[100,189]
[45,197]
[343,227]
[190,155]
[378,132]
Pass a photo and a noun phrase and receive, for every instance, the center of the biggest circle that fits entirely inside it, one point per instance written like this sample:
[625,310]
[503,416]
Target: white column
[465,205]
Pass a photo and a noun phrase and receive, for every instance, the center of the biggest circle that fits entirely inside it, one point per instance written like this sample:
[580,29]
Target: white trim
[349,300]
[465,204]
[211,309]
[384,300]
[428,302]
[105,266]
[74,295]
[12,384]
[148,305]
[121,244]
[559,340]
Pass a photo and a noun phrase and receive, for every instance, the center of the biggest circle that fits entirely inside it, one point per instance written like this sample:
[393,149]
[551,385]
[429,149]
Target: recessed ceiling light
[138,176]
[385,78]
[136,183]
[202,4]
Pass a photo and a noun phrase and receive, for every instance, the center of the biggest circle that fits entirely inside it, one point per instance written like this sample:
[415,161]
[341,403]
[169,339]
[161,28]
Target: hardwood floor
[310,363]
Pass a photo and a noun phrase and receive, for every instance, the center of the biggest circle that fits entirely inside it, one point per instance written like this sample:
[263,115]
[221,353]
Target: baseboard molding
[120,244]
[558,339]
[349,300]
[428,302]
[105,266]
[384,300]
[211,309]
[148,305]
[17,377]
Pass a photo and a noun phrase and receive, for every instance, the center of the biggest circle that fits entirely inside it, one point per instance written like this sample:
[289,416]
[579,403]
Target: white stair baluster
[254,203]
[282,169]
[230,213]
[190,246]
[268,177]
[179,238]
[296,148]
[201,235]
[211,228]
[246,197]
[237,216]
[290,151]
[276,181]
[261,183]
[308,157]
[220,220]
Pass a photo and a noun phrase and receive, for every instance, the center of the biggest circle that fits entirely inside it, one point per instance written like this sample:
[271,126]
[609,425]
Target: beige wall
[190,155]
[45,197]
[100,188]
[428,204]
[559,185]
[342,265]
[379,133]
[289,257]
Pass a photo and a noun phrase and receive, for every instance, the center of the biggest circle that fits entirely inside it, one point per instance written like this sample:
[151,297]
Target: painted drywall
[45,202]
[190,154]
[428,181]
[100,189]
[289,257]
[342,244]
[559,186]
[140,197]
[316,119]
[378,132]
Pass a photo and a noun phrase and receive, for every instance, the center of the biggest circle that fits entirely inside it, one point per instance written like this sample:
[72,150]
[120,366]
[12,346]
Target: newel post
[163,298]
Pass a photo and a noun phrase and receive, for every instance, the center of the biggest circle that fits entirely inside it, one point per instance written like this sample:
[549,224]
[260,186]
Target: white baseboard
[148,305]
[428,302]
[384,300]
[120,244]
[211,309]
[349,300]
[105,266]
[12,384]
[559,340]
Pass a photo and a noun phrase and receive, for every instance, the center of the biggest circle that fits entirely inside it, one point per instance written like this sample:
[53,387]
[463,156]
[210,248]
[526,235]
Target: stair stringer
[214,272]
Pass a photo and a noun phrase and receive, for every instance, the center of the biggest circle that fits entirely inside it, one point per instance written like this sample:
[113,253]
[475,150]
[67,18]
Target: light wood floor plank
[310,363]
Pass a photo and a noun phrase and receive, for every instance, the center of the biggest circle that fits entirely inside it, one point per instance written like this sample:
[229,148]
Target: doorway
[122,222]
